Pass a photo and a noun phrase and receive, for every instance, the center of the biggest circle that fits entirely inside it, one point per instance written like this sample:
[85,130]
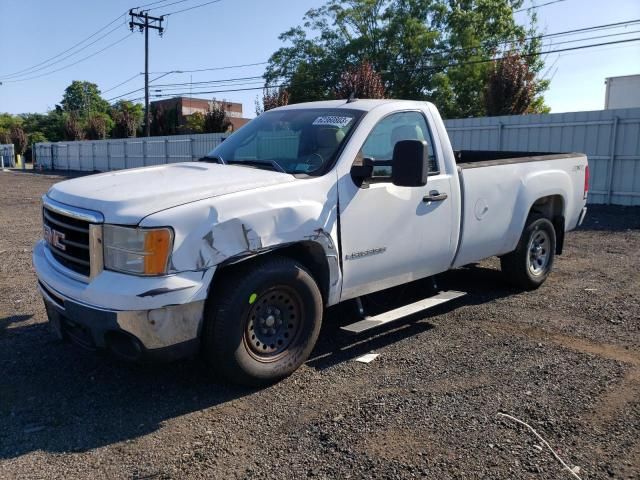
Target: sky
[234,32]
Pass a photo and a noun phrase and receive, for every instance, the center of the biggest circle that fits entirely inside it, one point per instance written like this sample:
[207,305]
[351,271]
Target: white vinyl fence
[117,154]
[610,138]
[8,155]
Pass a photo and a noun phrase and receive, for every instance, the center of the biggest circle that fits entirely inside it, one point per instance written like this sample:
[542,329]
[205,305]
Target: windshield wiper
[215,158]
[266,163]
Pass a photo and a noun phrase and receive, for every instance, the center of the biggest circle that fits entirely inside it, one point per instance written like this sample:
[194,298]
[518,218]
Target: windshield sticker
[333,121]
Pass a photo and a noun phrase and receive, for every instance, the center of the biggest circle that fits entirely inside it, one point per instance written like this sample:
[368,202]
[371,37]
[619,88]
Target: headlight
[141,251]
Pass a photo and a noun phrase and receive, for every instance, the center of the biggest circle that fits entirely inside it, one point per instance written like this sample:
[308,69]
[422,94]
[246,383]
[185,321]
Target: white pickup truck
[236,256]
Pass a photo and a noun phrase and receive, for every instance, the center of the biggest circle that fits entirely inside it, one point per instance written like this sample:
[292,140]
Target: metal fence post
[93,156]
[68,159]
[144,152]
[500,128]
[108,156]
[124,152]
[166,150]
[191,147]
[612,157]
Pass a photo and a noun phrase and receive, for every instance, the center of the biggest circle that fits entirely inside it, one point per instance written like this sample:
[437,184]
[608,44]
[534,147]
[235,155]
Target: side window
[390,130]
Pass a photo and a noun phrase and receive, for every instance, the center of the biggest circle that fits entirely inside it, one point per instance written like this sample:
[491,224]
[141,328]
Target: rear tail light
[586,181]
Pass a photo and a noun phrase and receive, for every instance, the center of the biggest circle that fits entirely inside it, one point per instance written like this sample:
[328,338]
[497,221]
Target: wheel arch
[553,208]
[311,254]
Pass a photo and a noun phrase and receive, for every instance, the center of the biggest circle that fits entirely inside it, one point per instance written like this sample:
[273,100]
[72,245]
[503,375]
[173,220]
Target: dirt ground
[565,359]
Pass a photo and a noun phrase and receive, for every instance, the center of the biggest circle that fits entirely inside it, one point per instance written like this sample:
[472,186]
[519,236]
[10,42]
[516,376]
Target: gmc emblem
[54,237]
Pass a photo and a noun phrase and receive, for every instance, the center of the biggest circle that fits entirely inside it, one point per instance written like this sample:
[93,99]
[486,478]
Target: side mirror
[410,164]
[363,172]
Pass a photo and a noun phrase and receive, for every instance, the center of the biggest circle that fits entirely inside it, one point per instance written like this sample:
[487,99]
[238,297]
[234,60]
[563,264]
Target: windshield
[292,141]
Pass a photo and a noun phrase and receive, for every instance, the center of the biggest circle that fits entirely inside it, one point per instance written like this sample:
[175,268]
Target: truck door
[392,235]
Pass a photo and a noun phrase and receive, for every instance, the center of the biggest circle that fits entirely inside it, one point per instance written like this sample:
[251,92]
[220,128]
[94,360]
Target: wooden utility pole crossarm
[144,22]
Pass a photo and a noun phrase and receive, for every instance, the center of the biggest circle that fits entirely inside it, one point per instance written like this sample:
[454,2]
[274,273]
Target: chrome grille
[68,240]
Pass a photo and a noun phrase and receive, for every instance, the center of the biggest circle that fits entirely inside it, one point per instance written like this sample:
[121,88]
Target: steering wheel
[314,160]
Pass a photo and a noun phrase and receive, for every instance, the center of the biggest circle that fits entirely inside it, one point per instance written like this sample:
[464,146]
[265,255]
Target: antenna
[352,97]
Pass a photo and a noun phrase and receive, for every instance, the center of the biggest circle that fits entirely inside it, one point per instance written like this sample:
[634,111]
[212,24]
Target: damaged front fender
[234,227]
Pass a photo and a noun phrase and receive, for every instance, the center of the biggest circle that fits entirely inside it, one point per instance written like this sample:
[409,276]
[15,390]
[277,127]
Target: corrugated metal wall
[610,138]
[8,154]
[105,155]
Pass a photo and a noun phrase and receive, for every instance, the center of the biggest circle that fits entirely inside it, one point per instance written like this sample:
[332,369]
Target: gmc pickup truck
[237,256]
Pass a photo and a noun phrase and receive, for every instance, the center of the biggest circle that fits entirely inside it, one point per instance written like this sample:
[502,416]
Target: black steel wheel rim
[273,323]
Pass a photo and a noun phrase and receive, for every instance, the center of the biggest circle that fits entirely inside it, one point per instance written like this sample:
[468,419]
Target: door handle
[434,196]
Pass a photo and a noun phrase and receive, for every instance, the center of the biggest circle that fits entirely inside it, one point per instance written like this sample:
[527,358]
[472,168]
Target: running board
[387,317]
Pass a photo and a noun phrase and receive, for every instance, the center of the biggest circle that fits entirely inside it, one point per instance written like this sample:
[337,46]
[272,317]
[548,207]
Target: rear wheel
[529,265]
[262,325]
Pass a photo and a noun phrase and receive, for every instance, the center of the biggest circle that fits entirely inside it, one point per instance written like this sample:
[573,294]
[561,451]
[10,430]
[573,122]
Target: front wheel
[529,265]
[263,323]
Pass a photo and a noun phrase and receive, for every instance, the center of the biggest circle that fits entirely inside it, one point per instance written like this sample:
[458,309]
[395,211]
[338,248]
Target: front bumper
[132,335]
[132,316]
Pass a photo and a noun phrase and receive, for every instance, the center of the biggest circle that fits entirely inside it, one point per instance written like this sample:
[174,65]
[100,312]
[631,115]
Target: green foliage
[195,123]
[216,119]
[438,50]
[127,117]
[164,121]
[37,137]
[83,99]
[97,126]
[73,127]
[5,136]
[51,124]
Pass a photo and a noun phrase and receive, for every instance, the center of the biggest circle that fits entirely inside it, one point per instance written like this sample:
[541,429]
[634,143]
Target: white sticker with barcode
[333,121]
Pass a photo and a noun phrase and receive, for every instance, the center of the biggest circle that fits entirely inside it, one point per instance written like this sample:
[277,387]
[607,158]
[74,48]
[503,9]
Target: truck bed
[498,190]
[489,158]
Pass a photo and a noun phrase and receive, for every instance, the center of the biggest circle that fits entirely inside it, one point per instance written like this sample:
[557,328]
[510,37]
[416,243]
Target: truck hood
[127,196]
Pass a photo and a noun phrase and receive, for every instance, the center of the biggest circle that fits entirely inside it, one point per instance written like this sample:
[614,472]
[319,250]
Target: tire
[263,323]
[529,265]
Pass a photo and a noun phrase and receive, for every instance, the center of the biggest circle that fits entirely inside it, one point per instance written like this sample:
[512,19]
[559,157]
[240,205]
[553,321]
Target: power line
[65,51]
[459,64]
[557,34]
[122,83]
[229,67]
[71,64]
[44,67]
[548,35]
[155,3]
[161,6]
[190,8]
[533,7]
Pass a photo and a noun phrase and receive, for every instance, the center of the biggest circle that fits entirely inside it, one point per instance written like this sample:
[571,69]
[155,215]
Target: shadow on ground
[56,397]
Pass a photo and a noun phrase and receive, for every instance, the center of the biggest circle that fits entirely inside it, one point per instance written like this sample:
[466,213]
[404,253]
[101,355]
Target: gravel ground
[565,359]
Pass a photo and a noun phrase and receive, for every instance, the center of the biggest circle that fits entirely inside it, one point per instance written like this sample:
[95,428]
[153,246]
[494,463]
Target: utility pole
[144,23]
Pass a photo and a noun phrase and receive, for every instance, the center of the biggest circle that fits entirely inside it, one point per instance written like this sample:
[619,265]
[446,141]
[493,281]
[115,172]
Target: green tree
[97,127]
[51,124]
[216,119]
[73,127]
[127,118]
[83,98]
[438,50]
[5,136]
[195,122]
[164,121]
